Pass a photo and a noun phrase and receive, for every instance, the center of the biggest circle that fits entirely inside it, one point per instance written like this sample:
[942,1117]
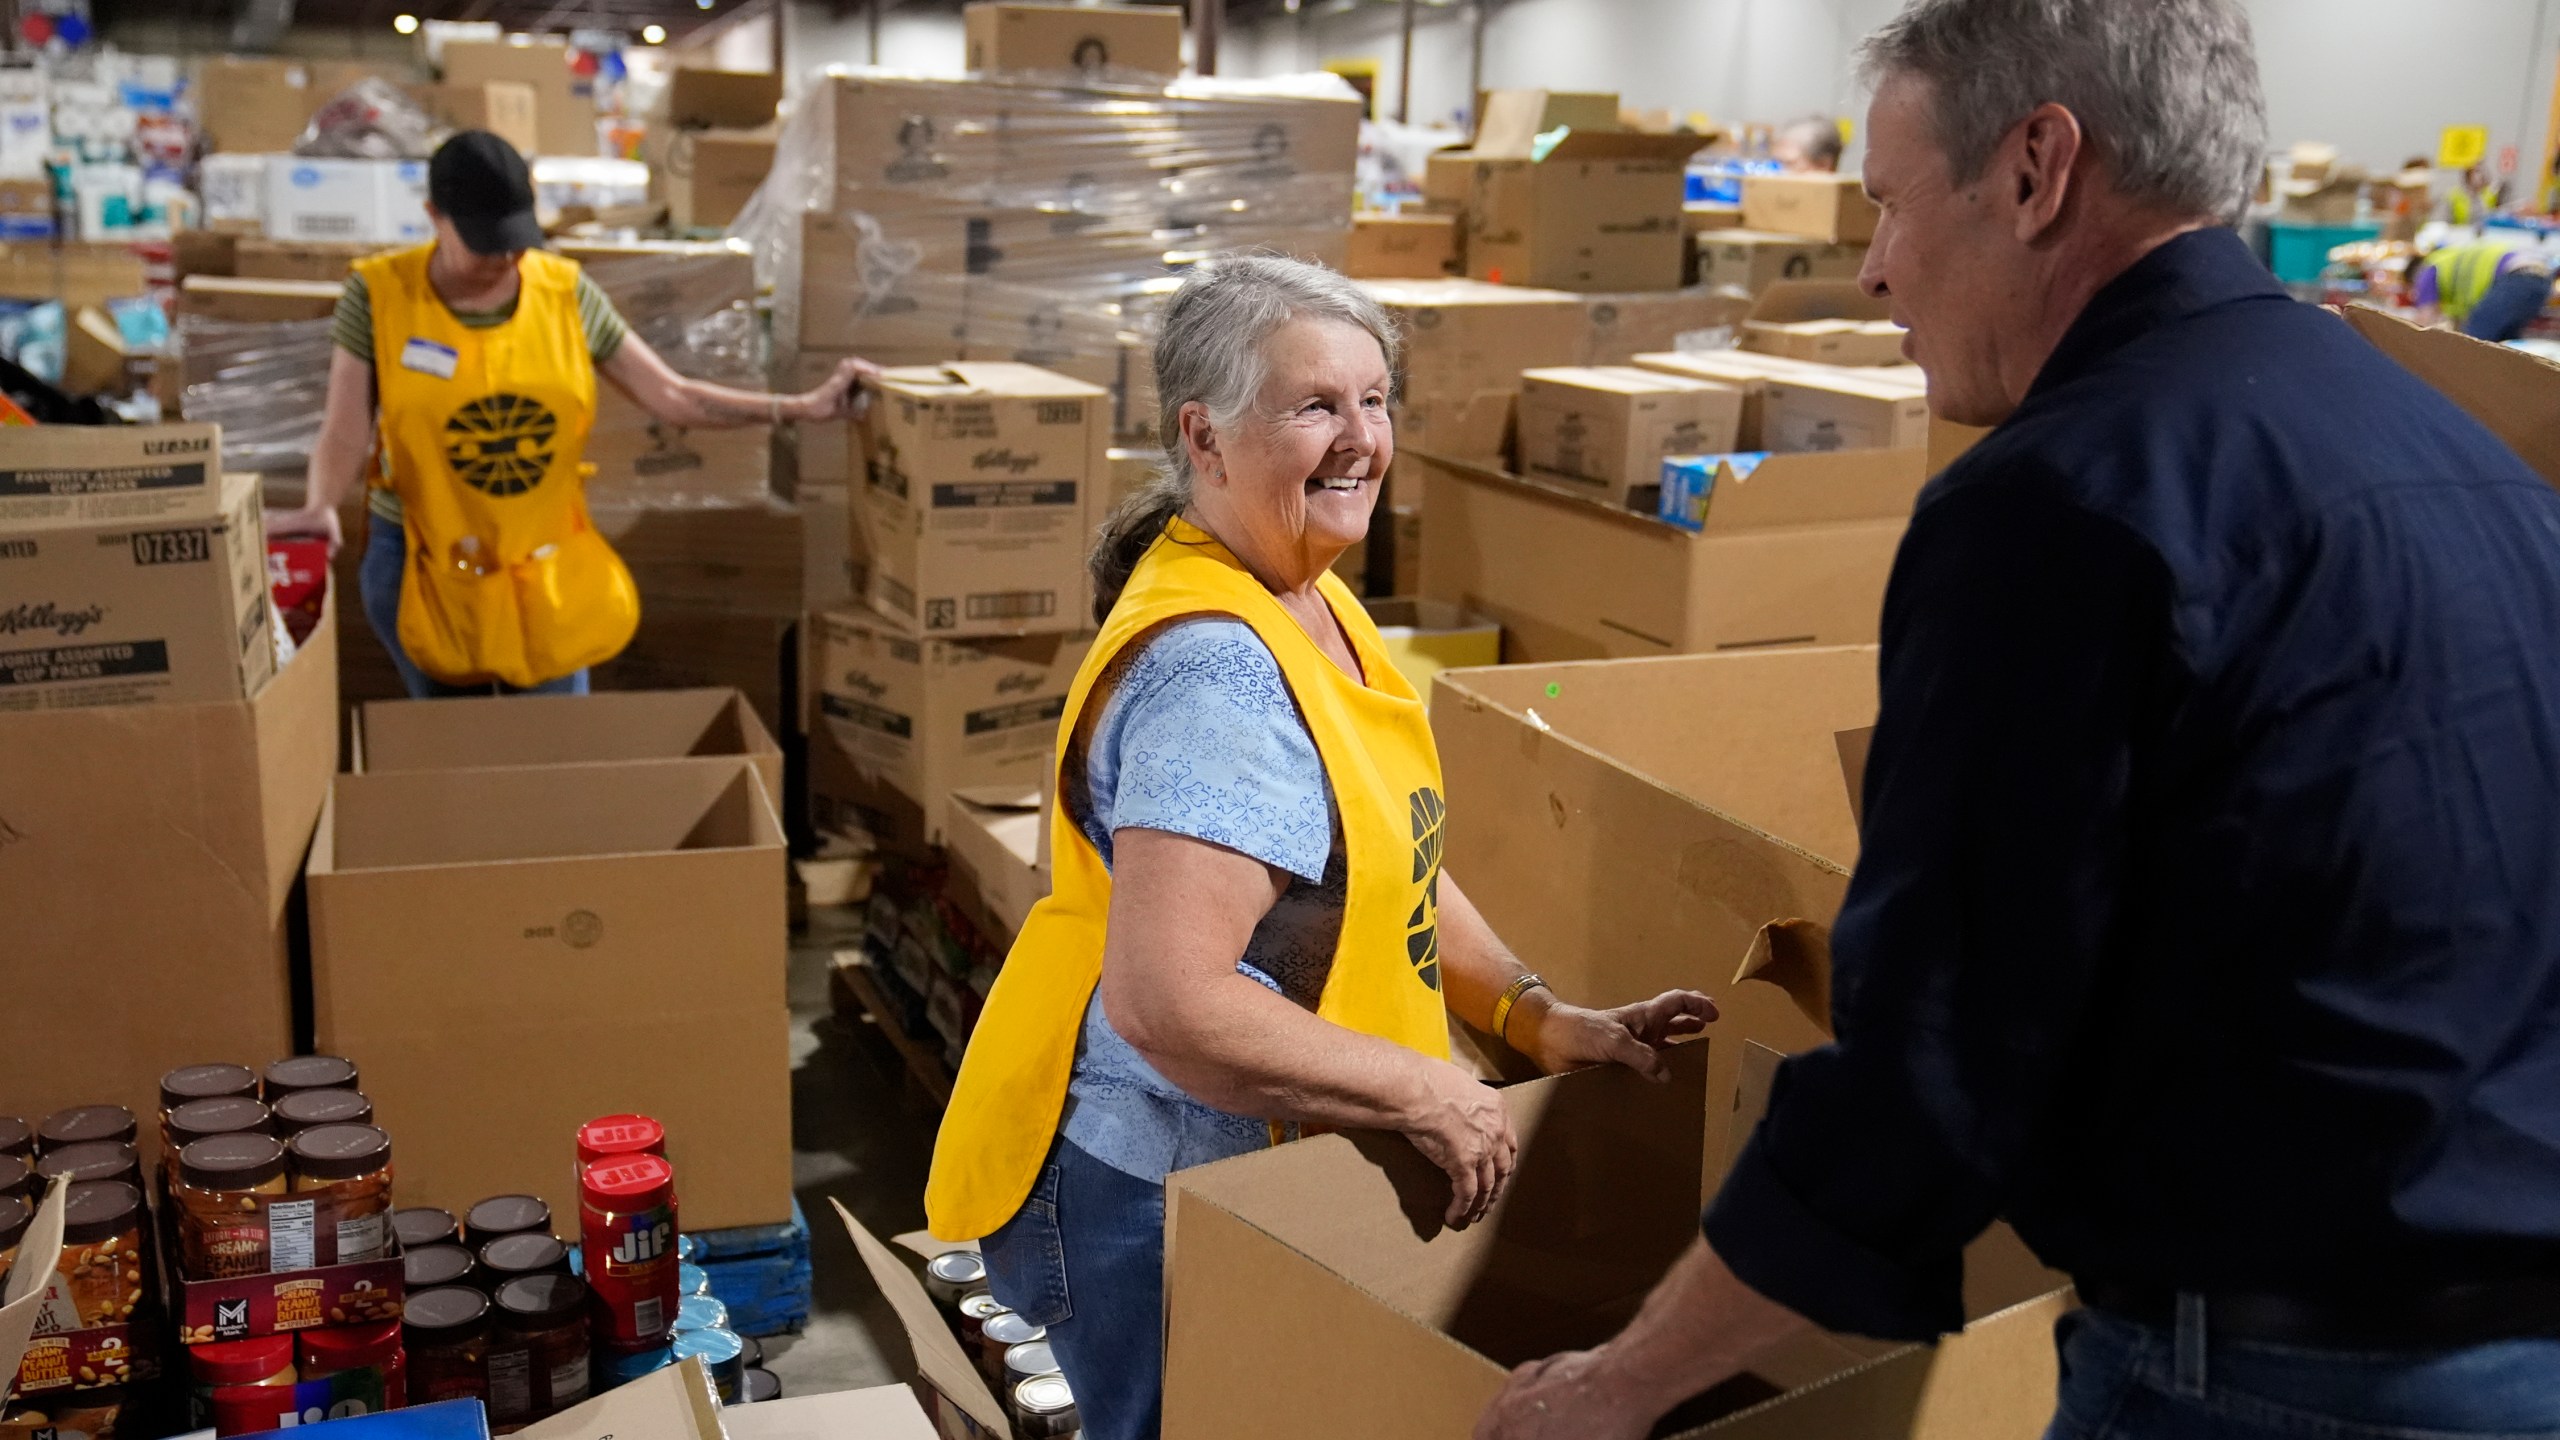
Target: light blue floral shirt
[1198,736]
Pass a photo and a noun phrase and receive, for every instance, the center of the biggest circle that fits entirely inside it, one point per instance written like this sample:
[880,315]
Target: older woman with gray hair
[1249,929]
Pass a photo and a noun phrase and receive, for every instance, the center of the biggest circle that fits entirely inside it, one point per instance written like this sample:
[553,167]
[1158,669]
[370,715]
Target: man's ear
[2039,162]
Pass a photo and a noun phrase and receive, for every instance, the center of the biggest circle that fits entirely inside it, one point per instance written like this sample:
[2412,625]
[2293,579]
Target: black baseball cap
[480,183]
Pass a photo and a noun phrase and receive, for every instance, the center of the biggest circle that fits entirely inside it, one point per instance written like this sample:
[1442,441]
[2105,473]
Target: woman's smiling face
[1299,474]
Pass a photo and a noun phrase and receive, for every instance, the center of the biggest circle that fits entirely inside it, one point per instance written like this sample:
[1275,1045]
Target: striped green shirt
[352,331]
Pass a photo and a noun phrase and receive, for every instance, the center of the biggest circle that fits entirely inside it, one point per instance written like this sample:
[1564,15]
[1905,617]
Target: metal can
[692,1279]
[971,1316]
[761,1384]
[998,1336]
[721,1354]
[1024,1361]
[627,1236]
[701,1312]
[1044,1408]
[952,1274]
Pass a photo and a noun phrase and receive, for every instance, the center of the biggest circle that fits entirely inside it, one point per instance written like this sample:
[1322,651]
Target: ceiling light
[653,34]
[405,24]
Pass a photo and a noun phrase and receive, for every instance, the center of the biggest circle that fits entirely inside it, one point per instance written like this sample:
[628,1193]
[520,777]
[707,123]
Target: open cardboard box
[948,1379]
[1796,555]
[1312,1290]
[2514,393]
[509,953]
[517,730]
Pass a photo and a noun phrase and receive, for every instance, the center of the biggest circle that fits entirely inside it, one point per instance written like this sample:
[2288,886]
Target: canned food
[692,1279]
[1044,1408]
[952,1274]
[998,1336]
[973,1312]
[1024,1361]
[721,1354]
[627,1236]
[701,1312]
[761,1384]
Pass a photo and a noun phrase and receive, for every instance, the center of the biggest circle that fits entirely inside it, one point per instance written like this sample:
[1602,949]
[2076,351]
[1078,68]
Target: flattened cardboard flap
[676,1403]
[1513,119]
[1814,488]
[939,1358]
[1795,956]
[1006,799]
[29,1280]
[2515,394]
[1624,145]
[1786,302]
[1853,767]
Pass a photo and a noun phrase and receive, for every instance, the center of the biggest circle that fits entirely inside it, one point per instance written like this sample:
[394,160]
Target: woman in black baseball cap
[473,359]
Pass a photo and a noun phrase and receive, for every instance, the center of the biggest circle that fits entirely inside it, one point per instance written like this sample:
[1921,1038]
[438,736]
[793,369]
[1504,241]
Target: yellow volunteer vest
[2464,274]
[485,434]
[1375,742]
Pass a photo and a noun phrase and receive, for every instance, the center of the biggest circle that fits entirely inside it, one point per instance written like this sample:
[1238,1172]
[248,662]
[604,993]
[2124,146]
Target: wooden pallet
[923,1057]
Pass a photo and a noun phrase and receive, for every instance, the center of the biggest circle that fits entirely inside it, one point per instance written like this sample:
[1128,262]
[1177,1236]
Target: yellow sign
[2462,146]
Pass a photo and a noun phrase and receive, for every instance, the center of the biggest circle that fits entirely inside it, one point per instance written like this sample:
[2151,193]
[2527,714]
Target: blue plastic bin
[2298,253]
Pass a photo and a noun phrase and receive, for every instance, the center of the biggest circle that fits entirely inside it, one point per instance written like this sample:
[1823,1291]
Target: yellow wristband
[1528,981]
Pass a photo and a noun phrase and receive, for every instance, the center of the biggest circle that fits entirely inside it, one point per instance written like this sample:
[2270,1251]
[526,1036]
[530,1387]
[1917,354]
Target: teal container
[701,1312]
[2298,253]
[721,1354]
[692,1280]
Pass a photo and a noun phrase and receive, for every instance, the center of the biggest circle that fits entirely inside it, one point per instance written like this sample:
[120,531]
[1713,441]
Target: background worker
[2473,199]
[2487,289]
[2221,673]
[1810,146]
[472,361]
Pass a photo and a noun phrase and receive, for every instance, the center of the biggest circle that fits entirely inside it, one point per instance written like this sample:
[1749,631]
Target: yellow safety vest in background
[1384,772]
[2464,274]
[485,435]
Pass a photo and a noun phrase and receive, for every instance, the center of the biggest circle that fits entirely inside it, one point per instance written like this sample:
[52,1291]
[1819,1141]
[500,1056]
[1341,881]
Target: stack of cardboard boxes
[710,144]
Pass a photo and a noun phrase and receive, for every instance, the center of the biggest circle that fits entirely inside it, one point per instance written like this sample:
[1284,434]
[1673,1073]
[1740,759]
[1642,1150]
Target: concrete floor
[860,1134]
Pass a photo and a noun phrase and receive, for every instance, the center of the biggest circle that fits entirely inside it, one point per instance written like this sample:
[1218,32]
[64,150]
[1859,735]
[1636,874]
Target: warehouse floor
[859,1135]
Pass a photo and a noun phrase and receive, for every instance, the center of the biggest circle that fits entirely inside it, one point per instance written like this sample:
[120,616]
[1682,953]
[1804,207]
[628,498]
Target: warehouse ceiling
[678,16]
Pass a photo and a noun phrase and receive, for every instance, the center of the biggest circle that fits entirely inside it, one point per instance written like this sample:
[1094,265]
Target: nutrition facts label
[649,1315]
[291,1237]
[510,1383]
[363,1238]
[569,1381]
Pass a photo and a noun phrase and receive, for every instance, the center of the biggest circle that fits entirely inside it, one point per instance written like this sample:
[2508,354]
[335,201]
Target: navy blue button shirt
[2207,922]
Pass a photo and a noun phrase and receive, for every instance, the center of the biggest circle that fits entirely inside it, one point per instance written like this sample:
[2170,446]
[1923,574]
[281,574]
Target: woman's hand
[320,522]
[840,396]
[1558,1037]
[1460,1125]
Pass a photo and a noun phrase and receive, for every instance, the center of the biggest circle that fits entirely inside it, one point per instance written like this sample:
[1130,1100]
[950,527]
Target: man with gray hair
[2206,925]
[1810,146]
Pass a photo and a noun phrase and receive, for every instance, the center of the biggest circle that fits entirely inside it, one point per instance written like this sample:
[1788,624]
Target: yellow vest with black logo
[1384,774]
[484,433]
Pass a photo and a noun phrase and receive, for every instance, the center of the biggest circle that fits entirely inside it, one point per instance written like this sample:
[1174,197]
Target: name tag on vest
[429,358]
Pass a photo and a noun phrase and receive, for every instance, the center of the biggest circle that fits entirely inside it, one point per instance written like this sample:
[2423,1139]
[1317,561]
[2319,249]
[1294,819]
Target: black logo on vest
[501,444]
[1422,930]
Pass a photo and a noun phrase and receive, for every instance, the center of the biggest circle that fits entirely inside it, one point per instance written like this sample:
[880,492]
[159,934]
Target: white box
[109,198]
[26,138]
[234,188]
[311,199]
[403,220]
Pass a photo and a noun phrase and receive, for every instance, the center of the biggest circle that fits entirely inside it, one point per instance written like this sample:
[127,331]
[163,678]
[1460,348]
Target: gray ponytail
[1209,351]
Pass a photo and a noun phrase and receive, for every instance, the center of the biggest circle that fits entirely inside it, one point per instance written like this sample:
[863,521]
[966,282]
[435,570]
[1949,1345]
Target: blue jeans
[2123,1380]
[1085,1257]
[379,577]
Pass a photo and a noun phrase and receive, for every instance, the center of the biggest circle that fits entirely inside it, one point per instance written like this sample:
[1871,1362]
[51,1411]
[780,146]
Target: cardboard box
[1003,35]
[76,274]
[208,809]
[1315,1254]
[316,199]
[95,362]
[884,1412]
[1705,217]
[1751,261]
[311,261]
[257,302]
[79,474]
[1843,411]
[719,99]
[1425,637]
[692,647]
[1617,328]
[513,952]
[554,730]
[1402,247]
[1797,556]
[1448,177]
[1823,322]
[1832,208]
[250,105]
[902,143]
[948,1379]
[998,871]
[1606,429]
[1465,345]
[1512,120]
[1743,370]
[824,450]
[1599,211]
[641,460]
[2508,390]
[744,558]
[169,610]
[508,109]
[833,574]
[927,717]
[856,295]
[974,494]
[564,104]
[711,174]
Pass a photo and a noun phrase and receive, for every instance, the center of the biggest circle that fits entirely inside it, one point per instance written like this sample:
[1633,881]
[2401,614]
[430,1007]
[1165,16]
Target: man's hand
[1571,1396]
[1559,1037]
[321,523]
